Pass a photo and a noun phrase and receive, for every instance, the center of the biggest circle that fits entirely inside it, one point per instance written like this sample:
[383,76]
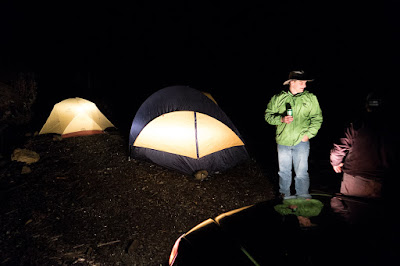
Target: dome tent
[181,128]
[75,117]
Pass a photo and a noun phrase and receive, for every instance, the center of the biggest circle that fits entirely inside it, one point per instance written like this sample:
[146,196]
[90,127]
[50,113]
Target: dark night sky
[239,52]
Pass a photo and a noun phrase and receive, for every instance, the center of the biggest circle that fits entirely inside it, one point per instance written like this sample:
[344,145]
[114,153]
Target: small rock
[201,175]
[132,247]
[57,138]
[26,170]
[25,156]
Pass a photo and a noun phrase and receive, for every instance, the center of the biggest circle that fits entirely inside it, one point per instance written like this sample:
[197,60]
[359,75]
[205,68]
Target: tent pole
[195,135]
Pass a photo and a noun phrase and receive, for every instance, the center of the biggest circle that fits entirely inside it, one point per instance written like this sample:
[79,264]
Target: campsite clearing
[85,203]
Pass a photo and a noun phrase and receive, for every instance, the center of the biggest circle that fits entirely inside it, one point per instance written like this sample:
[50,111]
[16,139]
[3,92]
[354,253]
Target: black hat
[297,75]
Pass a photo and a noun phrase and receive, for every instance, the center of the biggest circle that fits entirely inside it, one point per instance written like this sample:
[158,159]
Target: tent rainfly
[75,117]
[184,129]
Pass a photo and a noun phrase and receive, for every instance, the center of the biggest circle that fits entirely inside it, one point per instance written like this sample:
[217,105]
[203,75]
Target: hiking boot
[305,196]
[288,197]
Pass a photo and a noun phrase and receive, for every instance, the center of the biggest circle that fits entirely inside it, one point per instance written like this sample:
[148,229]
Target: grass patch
[300,207]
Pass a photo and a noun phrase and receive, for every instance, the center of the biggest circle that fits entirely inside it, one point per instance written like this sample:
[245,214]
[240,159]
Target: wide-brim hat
[297,75]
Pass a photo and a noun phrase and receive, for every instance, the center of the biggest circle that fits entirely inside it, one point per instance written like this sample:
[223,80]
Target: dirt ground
[85,203]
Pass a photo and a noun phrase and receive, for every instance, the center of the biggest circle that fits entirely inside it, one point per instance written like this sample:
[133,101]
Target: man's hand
[338,168]
[305,138]
[287,119]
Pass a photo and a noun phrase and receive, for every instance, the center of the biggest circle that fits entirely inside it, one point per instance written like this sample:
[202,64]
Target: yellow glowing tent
[182,128]
[187,133]
[75,117]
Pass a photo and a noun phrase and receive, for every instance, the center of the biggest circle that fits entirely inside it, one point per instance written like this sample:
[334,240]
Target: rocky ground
[85,203]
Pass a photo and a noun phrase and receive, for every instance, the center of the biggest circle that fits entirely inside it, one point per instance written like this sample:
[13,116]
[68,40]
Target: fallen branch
[108,243]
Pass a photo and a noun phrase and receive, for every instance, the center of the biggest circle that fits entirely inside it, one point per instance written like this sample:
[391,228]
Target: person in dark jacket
[366,154]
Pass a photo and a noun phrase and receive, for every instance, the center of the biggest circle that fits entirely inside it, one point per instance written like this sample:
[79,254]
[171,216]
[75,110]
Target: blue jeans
[296,156]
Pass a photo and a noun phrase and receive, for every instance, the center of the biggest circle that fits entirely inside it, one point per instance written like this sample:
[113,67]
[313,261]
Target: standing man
[298,117]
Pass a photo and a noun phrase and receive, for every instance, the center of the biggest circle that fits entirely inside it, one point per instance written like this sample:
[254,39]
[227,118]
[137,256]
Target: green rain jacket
[307,116]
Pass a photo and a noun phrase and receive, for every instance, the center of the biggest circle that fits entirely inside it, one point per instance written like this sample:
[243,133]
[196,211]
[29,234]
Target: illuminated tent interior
[184,129]
[75,117]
